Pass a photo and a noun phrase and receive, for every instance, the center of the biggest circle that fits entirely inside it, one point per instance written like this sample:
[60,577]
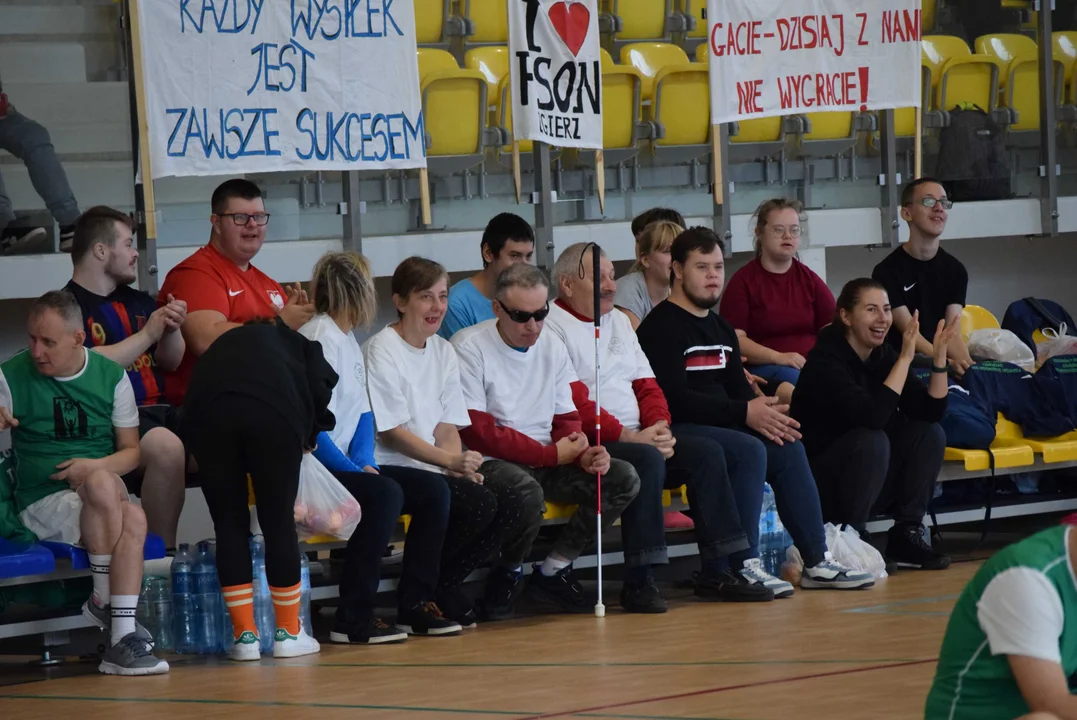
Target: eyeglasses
[244,218]
[781,230]
[522,317]
[930,202]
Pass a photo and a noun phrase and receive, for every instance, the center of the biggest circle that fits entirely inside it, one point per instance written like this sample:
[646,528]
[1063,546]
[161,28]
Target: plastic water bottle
[183,611]
[207,601]
[264,617]
[304,591]
[155,611]
[771,534]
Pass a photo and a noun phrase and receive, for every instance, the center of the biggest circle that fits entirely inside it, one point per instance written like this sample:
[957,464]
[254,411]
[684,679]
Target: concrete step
[73,104]
[94,183]
[43,62]
[42,19]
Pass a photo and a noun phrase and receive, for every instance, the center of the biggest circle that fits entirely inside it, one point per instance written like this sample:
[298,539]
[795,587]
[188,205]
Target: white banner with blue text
[250,86]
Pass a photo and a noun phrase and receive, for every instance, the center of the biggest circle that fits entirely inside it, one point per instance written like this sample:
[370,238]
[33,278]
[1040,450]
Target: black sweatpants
[866,472]
[231,437]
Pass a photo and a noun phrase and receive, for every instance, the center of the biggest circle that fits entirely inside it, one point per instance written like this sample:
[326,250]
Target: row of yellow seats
[488,20]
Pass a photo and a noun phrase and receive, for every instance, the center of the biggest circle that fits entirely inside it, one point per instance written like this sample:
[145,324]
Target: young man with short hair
[508,239]
[695,356]
[74,431]
[517,386]
[221,287]
[126,326]
[921,276]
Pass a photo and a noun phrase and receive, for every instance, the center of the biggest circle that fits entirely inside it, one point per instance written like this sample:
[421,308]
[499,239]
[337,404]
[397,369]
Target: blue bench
[80,560]
[19,560]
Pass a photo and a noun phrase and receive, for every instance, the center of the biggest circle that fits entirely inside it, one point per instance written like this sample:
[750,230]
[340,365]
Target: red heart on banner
[571,22]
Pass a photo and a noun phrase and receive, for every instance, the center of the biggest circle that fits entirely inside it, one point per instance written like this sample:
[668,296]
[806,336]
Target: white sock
[99,566]
[123,616]
[551,566]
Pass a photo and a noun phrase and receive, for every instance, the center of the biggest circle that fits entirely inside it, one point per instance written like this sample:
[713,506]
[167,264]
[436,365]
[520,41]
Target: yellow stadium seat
[760,130]
[554,511]
[649,59]
[959,76]
[493,62]
[622,106]
[829,125]
[1052,450]
[1065,49]
[929,12]
[639,19]
[974,317]
[1020,80]
[678,91]
[454,105]
[694,9]
[490,19]
[430,17]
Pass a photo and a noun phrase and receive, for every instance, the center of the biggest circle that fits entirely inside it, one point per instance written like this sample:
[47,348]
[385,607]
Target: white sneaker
[832,575]
[289,646]
[246,648]
[754,573]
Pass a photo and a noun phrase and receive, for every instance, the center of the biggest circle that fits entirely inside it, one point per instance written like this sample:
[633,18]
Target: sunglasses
[522,317]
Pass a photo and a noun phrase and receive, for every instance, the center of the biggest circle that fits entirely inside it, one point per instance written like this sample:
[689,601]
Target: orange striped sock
[286,606]
[239,600]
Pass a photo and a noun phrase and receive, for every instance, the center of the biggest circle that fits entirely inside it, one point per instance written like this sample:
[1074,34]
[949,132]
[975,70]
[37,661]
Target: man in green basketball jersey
[74,430]
[1011,644]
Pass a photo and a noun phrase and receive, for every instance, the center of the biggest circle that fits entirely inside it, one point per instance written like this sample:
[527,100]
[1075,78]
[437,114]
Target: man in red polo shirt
[221,287]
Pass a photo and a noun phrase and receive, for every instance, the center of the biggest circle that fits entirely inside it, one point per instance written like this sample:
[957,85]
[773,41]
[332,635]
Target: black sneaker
[503,586]
[730,586]
[14,240]
[374,631]
[67,238]
[643,597]
[426,619]
[561,589]
[456,606]
[906,548]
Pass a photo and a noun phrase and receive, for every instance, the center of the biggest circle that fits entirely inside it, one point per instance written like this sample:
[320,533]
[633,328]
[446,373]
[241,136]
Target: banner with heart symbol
[556,72]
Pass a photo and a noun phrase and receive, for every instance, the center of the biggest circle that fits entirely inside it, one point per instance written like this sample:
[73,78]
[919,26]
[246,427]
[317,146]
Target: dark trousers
[751,461]
[866,472]
[234,436]
[697,462]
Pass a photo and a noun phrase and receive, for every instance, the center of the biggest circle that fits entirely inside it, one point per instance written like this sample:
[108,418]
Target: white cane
[600,608]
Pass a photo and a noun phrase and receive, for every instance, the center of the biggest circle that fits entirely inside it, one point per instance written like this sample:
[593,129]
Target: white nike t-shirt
[344,355]
[521,390]
[416,388]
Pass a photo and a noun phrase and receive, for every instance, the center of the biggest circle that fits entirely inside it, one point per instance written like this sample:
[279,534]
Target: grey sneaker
[830,574]
[14,240]
[102,620]
[132,655]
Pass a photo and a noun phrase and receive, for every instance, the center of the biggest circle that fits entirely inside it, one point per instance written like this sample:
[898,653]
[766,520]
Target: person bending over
[635,428]
[696,359]
[776,300]
[517,385]
[256,402]
[414,382]
[870,426]
[74,432]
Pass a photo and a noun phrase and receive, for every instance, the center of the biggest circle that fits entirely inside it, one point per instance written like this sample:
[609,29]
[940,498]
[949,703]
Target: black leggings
[233,436]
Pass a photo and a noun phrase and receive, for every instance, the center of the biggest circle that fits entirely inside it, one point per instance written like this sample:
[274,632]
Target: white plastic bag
[323,506]
[1057,343]
[1002,345]
[847,548]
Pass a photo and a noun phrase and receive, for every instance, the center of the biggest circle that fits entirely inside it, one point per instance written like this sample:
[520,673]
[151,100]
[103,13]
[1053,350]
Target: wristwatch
[943,369]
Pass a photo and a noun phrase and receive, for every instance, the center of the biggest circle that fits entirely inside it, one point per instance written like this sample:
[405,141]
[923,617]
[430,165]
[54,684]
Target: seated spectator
[508,239]
[30,142]
[126,326]
[657,214]
[74,430]
[415,392]
[517,386]
[635,428]
[257,401]
[647,283]
[921,276]
[221,287]
[871,427]
[696,359]
[1008,646]
[776,300]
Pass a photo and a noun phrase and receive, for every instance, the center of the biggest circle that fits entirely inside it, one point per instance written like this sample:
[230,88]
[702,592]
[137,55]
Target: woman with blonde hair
[647,283]
[344,299]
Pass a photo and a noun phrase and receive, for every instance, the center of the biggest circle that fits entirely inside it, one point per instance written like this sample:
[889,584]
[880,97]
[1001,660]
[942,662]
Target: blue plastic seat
[80,560]
[19,560]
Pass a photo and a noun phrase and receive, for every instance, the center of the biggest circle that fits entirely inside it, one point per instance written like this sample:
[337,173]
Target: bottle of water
[304,592]
[264,617]
[155,611]
[771,549]
[207,605]
[183,612]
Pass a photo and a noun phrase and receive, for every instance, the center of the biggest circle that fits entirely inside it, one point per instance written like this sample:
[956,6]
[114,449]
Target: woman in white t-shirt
[344,295]
[414,384]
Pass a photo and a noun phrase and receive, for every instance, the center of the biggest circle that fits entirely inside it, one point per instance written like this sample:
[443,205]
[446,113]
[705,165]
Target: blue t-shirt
[467,307]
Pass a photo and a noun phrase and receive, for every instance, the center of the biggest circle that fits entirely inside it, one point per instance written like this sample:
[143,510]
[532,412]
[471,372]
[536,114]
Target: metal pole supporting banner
[722,185]
[543,199]
[1048,148]
[889,180]
[145,205]
[351,211]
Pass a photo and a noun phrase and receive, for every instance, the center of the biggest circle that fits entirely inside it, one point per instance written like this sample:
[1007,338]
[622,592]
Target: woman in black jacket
[257,399]
[870,427]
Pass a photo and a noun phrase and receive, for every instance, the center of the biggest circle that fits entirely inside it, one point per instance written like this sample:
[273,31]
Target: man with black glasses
[922,276]
[221,287]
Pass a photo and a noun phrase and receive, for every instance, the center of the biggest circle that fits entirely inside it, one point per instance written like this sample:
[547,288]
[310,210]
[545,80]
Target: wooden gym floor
[862,655]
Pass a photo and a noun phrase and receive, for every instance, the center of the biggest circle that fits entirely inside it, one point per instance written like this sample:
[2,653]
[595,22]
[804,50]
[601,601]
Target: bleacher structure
[65,65]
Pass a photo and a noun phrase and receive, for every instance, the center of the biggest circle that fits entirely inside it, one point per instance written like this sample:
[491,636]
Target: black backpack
[973,163]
